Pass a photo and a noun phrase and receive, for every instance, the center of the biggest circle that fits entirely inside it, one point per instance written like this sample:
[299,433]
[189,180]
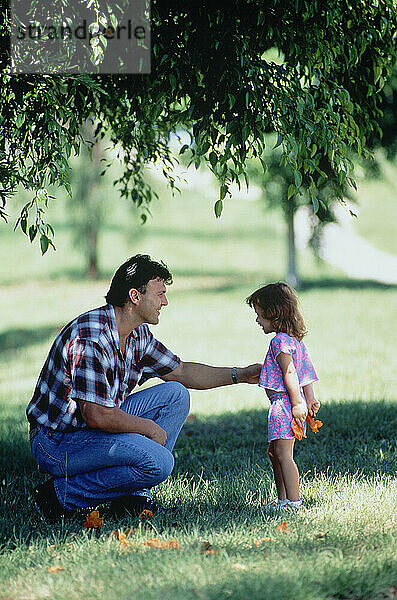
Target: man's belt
[33,429]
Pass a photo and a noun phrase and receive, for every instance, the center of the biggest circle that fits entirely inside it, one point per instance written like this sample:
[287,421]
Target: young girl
[287,376]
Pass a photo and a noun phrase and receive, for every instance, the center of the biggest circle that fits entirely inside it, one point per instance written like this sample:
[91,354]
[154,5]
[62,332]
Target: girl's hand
[313,407]
[299,412]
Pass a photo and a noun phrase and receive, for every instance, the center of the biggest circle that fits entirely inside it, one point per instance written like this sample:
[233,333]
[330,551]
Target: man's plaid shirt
[85,363]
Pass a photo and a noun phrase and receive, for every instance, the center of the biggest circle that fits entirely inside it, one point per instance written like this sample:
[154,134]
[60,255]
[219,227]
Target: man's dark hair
[135,273]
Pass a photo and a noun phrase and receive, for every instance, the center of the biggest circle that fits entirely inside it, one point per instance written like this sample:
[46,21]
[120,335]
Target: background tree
[90,204]
[209,77]
[278,189]
[88,199]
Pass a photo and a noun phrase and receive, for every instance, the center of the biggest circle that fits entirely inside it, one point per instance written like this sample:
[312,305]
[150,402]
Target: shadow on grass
[231,280]
[345,284]
[228,453]
[356,437]
[105,275]
[205,235]
[240,282]
[15,339]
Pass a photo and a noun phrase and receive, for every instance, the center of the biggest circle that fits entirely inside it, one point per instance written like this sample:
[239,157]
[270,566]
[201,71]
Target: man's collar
[113,326]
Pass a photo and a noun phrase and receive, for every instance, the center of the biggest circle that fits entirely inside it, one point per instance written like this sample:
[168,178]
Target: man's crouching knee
[163,464]
[180,395]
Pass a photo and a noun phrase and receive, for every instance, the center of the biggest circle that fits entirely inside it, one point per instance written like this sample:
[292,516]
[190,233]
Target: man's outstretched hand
[204,377]
[249,374]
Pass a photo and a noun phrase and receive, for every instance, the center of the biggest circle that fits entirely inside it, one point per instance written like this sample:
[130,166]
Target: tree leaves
[218,208]
[279,141]
[291,191]
[215,82]
[213,159]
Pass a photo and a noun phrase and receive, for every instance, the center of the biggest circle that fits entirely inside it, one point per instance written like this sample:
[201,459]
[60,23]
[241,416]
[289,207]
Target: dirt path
[342,247]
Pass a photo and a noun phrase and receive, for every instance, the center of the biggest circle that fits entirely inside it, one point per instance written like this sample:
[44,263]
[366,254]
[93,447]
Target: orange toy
[314,424]
[298,430]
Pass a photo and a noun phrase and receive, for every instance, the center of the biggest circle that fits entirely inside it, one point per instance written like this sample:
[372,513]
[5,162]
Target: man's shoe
[135,505]
[48,503]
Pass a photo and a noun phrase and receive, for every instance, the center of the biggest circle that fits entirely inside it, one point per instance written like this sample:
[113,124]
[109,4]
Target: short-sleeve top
[85,363]
[271,376]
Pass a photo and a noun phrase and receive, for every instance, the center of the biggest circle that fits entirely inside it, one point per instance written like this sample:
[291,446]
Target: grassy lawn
[377,210]
[343,546]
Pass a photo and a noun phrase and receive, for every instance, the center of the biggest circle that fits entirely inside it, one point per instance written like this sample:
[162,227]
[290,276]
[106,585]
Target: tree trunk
[92,268]
[92,218]
[292,273]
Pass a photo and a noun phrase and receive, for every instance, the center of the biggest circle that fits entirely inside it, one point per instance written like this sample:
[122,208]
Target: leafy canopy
[211,77]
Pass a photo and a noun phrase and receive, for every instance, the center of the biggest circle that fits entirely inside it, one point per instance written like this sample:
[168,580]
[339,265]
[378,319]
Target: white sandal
[275,504]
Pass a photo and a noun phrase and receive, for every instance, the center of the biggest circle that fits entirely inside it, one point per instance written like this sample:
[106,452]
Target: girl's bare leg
[278,476]
[284,452]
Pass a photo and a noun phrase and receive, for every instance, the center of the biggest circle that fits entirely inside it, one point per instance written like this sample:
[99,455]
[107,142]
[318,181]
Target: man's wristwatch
[234,374]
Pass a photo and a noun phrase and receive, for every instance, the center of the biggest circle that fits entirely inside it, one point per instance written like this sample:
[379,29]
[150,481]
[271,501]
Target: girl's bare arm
[299,409]
[313,405]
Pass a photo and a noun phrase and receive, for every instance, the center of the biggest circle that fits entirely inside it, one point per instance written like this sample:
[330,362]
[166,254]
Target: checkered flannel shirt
[85,363]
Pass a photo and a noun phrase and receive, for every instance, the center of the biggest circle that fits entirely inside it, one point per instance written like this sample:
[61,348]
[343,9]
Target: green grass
[377,209]
[222,475]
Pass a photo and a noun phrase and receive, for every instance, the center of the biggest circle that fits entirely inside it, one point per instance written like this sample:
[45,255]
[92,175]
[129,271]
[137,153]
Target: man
[98,441]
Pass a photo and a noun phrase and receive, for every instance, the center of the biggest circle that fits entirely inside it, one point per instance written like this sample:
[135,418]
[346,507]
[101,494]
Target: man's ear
[134,295]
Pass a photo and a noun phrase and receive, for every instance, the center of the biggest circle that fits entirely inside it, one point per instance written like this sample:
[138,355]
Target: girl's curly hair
[280,305]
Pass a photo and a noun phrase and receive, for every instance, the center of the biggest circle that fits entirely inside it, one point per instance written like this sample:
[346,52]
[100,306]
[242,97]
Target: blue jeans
[90,466]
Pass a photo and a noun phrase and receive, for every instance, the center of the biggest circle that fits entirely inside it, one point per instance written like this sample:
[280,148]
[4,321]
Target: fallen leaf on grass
[93,520]
[322,535]
[206,548]
[55,569]
[163,545]
[264,539]
[116,533]
[257,542]
[123,540]
[283,527]
[146,514]
[121,536]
